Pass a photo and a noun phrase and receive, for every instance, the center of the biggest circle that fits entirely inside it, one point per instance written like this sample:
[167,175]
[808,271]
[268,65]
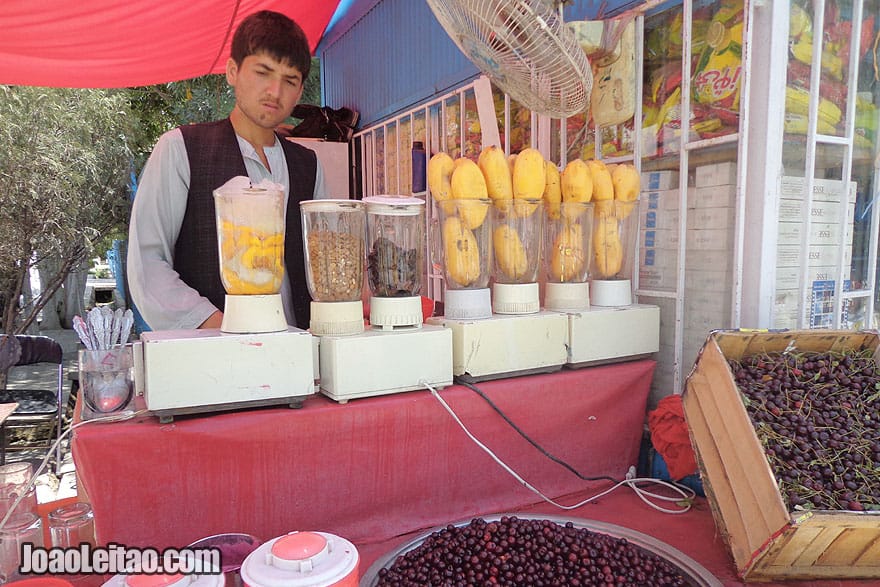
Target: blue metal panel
[380,57]
[395,56]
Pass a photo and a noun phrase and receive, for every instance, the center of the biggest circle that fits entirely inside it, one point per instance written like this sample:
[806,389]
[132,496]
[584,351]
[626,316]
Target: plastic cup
[105,378]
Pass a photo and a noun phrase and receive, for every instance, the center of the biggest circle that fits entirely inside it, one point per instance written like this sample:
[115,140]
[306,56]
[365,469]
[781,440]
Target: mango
[461,252]
[607,248]
[627,185]
[510,253]
[603,189]
[529,179]
[496,172]
[439,176]
[576,182]
[567,256]
[552,190]
[468,184]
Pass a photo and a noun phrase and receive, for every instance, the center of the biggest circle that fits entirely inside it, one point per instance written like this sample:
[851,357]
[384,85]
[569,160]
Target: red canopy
[122,43]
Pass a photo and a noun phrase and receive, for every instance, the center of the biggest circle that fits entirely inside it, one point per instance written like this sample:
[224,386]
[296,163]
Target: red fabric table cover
[368,470]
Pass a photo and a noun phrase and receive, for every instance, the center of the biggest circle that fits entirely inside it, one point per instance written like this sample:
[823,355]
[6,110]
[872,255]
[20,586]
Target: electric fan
[524,48]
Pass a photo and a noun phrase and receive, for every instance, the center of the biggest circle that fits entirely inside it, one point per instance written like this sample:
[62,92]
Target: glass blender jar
[333,234]
[250,237]
[395,260]
[568,239]
[466,238]
[614,243]
[516,242]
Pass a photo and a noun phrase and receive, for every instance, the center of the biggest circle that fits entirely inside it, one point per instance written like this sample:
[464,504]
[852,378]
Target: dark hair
[275,34]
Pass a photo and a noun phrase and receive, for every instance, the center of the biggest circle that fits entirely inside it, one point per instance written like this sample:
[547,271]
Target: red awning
[122,43]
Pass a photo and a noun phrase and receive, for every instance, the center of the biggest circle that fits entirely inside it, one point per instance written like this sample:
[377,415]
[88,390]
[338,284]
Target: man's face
[266,90]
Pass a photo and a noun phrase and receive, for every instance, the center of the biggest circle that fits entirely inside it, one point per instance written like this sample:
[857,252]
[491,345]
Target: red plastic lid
[152,580]
[299,546]
[42,582]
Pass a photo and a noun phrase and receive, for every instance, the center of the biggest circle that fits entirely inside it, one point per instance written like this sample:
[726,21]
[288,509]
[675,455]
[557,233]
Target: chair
[37,408]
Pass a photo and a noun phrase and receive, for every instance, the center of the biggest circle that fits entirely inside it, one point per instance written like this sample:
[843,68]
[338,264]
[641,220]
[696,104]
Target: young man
[173,261]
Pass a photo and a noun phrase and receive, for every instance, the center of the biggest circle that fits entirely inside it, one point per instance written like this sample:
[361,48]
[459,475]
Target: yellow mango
[568,256]
[603,189]
[607,248]
[528,175]
[576,182]
[461,252]
[468,184]
[529,179]
[552,190]
[627,185]
[439,176]
[510,252]
[493,164]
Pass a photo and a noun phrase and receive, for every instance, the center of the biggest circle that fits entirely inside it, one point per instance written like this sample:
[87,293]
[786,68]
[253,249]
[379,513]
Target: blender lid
[331,205]
[394,205]
[394,200]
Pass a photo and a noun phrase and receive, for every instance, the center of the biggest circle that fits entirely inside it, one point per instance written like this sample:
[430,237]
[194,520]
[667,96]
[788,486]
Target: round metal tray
[693,572]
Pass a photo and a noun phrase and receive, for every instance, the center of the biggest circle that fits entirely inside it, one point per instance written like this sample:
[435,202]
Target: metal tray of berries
[650,561]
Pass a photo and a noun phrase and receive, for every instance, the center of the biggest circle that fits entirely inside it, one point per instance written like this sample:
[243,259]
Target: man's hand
[213,321]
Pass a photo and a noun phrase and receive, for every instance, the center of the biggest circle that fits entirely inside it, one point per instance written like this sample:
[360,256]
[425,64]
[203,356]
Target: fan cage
[524,47]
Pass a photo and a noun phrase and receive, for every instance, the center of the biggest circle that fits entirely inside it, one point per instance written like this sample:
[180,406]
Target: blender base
[394,313]
[336,318]
[515,298]
[504,346]
[196,371]
[379,362]
[467,304]
[253,313]
[567,297]
[611,293]
[609,335]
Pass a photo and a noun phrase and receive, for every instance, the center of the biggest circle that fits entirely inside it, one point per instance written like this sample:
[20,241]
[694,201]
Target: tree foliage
[63,184]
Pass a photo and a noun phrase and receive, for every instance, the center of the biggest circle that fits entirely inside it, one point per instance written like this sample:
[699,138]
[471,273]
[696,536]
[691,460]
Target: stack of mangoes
[514,184]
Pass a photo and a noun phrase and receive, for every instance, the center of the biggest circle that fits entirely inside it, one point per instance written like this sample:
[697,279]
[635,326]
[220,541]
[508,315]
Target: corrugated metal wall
[396,56]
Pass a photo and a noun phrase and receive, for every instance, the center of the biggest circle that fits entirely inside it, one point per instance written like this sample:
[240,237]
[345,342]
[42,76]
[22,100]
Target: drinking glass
[72,525]
[15,480]
[21,528]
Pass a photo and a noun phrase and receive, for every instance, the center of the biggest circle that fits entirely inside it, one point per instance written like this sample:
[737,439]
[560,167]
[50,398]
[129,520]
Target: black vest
[215,158]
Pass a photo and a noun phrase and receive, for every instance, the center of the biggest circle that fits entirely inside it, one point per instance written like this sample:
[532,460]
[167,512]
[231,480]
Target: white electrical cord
[684,498]
[122,416]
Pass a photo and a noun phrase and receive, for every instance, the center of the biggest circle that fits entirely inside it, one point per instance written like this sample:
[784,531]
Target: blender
[516,243]
[612,328]
[397,353]
[395,261]
[333,231]
[614,244]
[254,358]
[568,234]
[250,235]
[518,338]
[466,239]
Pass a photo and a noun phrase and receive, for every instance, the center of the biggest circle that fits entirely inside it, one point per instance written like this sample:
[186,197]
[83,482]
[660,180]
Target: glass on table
[72,525]
[21,528]
[14,481]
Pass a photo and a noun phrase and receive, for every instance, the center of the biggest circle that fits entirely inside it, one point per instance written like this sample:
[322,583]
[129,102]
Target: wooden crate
[766,540]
